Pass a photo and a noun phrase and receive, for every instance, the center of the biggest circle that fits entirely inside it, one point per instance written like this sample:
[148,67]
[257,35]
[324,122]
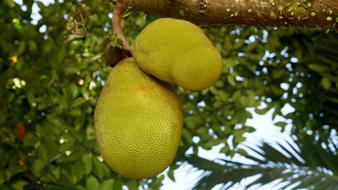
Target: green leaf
[87,163]
[281,124]
[231,80]
[38,165]
[72,91]
[171,174]
[277,73]
[75,112]
[237,96]
[261,111]
[107,184]
[239,139]
[132,185]
[10,3]
[19,184]
[273,164]
[326,83]
[225,149]
[203,133]
[118,184]
[100,169]
[78,102]
[187,137]
[92,183]
[242,152]
[193,121]
[2,177]
[229,63]
[318,68]
[276,90]
[77,172]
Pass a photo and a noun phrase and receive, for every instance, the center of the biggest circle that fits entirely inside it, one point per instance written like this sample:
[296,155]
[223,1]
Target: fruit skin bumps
[138,122]
[178,52]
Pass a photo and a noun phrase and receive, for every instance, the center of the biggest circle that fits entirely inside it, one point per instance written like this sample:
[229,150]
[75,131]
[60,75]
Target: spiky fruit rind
[178,52]
[138,122]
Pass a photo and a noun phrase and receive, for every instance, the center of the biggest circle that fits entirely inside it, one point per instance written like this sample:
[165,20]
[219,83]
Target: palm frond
[305,163]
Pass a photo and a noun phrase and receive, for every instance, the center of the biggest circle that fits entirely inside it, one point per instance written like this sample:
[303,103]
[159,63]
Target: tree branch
[116,53]
[117,29]
[304,13]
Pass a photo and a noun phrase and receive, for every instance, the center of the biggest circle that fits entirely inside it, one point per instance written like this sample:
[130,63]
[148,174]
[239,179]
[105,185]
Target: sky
[186,175]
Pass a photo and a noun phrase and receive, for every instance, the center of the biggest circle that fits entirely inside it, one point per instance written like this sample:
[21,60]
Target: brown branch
[304,13]
[116,53]
[117,29]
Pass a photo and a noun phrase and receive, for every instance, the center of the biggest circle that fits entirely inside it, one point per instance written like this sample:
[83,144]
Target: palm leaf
[307,166]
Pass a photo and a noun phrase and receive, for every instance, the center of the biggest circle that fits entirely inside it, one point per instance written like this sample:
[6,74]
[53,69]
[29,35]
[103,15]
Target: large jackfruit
[178,52]
[138,122]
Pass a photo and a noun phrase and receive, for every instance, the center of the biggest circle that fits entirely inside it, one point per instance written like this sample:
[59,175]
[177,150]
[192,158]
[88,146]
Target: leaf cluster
[53,68]
[303,163]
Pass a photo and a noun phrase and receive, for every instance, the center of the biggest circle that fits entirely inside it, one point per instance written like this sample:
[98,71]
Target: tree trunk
[309,13]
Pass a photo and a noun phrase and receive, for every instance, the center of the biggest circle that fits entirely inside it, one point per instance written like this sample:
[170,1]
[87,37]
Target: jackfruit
[138,122]
[178,52]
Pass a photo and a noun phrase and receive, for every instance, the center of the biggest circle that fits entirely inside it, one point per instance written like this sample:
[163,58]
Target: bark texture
[304,13]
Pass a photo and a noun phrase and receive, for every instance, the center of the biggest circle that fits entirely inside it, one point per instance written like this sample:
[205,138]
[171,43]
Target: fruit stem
[117,29]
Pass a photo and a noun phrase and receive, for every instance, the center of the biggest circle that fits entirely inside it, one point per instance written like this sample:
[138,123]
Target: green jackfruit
[178,52]
[138,122]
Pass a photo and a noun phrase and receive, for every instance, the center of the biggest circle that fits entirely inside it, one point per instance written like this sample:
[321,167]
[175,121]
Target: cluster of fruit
[138,118]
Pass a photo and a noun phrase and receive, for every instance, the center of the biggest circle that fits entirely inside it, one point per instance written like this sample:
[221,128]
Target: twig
[117,29]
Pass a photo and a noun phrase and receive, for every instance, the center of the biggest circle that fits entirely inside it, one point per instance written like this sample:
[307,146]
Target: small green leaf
[319,68]
[237,95]
[223,95]
[92,183]
[231,80]
[78,102]
[281,124]
[262,111]
[171,174]
[239,139]
[77,172]
[187,136]
[326,83]
[277,73]
[132,185]
[40,5]
[228,63]
[126,14]
[75,112]
[118,184]
[2,176]
[203,133]
[192,121]
[30,140]
[242,152]
[100,169]
[276,90]
[225,149]
[87,163]
[107,184]
[10,3]
[19,184]
[38,165]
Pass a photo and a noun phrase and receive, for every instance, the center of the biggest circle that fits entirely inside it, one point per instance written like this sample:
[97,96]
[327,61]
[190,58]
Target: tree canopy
[53,68]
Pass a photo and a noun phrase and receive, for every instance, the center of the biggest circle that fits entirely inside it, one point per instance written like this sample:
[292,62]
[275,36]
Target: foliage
[52,71]
[304,163]
[317,82]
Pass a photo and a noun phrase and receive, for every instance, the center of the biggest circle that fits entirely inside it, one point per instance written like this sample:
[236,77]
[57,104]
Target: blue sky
[186,175]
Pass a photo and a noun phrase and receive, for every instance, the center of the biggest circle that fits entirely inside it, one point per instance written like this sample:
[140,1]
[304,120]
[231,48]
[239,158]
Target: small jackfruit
[178,52]
[138,122]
